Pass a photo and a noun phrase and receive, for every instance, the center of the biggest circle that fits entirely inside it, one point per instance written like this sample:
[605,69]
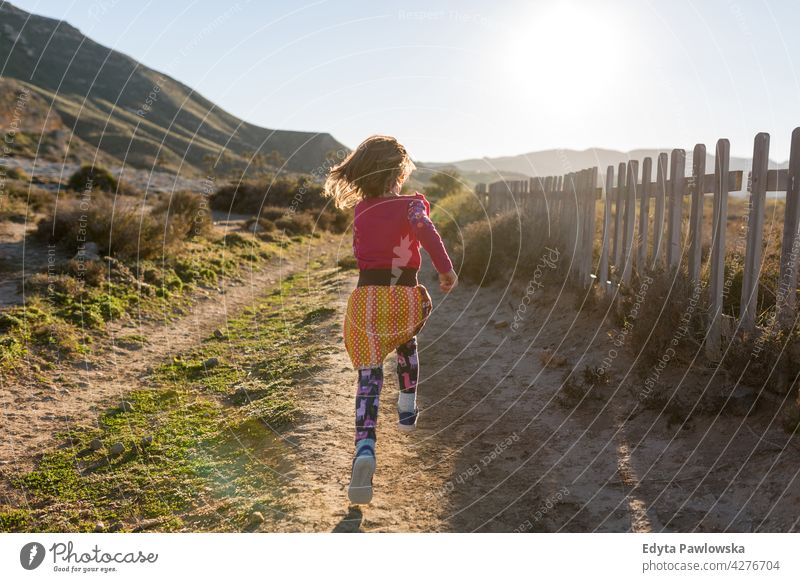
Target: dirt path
[496,451]
[34,412]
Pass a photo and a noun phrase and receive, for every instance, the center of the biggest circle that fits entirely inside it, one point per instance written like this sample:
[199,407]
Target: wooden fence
[630,240]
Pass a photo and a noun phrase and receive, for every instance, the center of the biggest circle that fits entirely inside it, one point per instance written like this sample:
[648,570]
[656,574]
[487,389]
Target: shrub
[92,178]
[250,197]
[58,337]
[663,312]
[260,225]
[44,284]
[279,201]
[272,213]
[454,213]
[186,214]
[93,273]
[508,245]
[333,220]
[445,182]
[122,230]
[17,174]
[296,224]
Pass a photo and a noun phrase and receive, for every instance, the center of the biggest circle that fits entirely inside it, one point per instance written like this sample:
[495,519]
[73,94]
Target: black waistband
[385,277]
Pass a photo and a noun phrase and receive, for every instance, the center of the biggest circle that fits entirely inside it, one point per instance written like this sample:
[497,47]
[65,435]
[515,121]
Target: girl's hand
[448,281]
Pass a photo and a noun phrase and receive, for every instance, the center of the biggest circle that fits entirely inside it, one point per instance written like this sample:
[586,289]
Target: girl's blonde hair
[369,171]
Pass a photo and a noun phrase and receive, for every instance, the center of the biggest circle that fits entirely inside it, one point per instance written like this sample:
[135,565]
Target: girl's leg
[370,382]
[407,374]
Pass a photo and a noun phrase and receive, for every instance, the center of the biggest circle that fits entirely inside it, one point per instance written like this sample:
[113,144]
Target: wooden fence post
[791,237]
[696,216]
[604,249]
[718,227]
[575,223]
[658,217]
[644,215]
[630,220]
[590,217]
[755,232]
[618,204]
[677,168]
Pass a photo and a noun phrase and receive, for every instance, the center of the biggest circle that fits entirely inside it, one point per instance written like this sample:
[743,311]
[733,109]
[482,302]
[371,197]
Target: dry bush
[93,273]
[656,316]
[453,213]
[333,221]
[281,201]
[296,223]
[124,230]
[285,192]
[186,214]
[43,284]
[272,213]
[508,245]
[260,225]
[580,388]
[91,178]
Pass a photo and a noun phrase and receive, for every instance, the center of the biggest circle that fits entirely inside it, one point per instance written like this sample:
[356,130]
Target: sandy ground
[495,451]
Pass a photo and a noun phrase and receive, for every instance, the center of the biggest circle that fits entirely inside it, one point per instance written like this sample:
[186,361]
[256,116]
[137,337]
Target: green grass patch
[65,310]
[201,447]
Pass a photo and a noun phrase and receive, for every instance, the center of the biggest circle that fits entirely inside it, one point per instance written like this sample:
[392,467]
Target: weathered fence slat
[696,215]
[677,168]
[658,217]
[618,204]
[590,218]
[718,227]
[644,214]
[604,248]
[787,284]
[630,222]
[755,232]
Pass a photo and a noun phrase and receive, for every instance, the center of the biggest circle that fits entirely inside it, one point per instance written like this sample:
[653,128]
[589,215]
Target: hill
[129,111]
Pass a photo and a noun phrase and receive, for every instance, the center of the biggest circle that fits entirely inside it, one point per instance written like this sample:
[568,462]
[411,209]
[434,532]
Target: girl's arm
[428,236]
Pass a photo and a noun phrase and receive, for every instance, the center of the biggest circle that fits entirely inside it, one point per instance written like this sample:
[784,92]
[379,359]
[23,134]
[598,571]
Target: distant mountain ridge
[557,162]
[129,111]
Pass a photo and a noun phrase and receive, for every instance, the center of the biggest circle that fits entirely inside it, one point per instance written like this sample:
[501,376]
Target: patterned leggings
[370,382]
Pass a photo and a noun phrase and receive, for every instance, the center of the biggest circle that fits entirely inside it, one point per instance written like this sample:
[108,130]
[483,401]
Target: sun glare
[566,46]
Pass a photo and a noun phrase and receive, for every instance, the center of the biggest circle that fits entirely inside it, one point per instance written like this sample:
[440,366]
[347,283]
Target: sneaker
[360,490]
[408,420]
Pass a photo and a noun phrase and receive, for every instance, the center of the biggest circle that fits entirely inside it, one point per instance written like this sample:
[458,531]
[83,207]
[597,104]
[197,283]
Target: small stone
[96,444]
[117,449]
[256,517]
[211,363]
[147,440]
[126,406]
[99,527]
[116,526]
[218,334]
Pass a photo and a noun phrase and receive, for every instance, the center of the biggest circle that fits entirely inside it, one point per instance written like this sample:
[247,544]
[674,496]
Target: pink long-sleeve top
[388,232]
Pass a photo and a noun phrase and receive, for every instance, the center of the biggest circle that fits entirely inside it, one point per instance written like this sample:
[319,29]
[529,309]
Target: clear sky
[476,78]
